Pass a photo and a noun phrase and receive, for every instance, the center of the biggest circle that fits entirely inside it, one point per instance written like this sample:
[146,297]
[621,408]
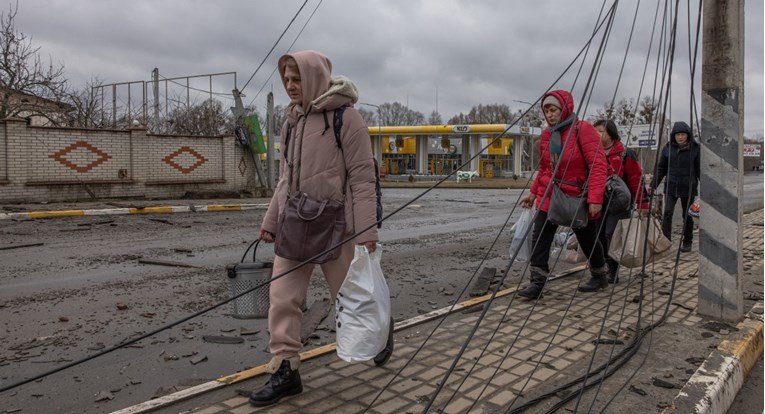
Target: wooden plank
[165,263]
[18,246]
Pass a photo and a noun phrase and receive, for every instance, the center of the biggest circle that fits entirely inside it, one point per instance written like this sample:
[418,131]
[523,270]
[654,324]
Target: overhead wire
[439,182]
[265,83]
[243,293]
[489,303]
[638,337]
[274,46]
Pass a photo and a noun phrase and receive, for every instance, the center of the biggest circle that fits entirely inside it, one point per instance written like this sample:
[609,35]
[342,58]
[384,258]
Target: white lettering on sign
[752,150]
[639,136]
[461,129]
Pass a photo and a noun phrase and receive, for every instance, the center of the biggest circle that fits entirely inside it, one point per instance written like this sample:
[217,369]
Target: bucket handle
[255,243]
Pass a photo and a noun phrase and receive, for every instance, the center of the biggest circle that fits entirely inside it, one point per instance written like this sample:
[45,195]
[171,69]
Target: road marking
[133,210]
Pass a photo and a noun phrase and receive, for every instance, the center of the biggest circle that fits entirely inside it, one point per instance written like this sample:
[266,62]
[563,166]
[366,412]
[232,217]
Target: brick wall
[66,164]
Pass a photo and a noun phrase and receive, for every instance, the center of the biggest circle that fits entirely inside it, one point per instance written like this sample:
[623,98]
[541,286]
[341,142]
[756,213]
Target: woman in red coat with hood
[582,163]
[625,164]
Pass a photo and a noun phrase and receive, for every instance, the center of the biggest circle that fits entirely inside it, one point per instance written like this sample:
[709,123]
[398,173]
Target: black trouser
[669,209]
[607,225]
[544,233]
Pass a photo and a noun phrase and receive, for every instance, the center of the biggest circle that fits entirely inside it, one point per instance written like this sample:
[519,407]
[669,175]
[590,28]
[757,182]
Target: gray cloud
[471,52]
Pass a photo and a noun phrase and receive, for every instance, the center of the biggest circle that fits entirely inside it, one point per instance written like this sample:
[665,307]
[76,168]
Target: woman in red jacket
[624,163]
[579,164]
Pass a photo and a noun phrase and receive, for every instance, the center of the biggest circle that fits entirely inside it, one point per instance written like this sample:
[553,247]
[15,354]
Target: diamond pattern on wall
[242,166]
[181,159]
[81,161]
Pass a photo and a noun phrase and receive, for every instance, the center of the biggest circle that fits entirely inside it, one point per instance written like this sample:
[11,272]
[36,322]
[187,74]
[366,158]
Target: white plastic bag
[519,244]
[362,308]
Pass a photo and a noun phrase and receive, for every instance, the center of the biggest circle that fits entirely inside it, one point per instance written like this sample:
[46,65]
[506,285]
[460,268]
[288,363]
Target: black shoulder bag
[566,210]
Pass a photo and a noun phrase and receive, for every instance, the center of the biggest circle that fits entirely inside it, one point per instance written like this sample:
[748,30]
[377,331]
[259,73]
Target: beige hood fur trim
[340,85]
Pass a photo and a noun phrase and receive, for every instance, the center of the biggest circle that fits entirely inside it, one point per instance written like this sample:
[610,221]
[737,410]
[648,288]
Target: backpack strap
[337,124]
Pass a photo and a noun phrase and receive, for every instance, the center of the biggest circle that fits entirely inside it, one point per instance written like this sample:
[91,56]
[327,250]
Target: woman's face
[605,139]
[681,138]
[552,114]
[292,84]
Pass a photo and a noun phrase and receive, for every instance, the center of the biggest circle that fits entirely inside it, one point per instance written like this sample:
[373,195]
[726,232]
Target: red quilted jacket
[573,162]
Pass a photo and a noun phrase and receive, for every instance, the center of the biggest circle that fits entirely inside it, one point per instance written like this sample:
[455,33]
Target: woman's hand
[370,245]
[595,209]
[528,201]
[266,236]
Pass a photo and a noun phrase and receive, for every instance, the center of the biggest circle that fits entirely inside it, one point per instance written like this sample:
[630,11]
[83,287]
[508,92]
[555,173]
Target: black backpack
[338,125]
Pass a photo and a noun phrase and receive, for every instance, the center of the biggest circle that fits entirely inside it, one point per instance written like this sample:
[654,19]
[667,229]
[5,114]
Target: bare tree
[86,107]
[435,118]
[369,117]
[397,114]
[207,118]
[647,112]
[625,113]
[485,114]
[28,87]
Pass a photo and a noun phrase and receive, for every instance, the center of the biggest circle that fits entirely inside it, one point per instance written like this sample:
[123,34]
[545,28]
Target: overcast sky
[444,54]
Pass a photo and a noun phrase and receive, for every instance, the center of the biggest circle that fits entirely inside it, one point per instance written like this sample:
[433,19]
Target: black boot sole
[589,289]
[265,403]
[529,296]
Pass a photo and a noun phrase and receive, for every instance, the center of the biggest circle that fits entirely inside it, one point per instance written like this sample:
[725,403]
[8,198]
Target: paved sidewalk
[537,346]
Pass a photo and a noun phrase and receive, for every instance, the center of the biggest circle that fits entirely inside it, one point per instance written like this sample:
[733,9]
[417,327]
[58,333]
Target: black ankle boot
[284,382]
[534,289]
[597,281]
[384,355]
[613,272]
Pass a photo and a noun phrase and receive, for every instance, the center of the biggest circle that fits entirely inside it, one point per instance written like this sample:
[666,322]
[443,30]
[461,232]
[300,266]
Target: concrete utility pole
[722,162]
[270,141]
[155,90]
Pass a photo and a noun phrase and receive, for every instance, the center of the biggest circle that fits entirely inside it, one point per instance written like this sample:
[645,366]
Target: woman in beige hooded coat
[311,157]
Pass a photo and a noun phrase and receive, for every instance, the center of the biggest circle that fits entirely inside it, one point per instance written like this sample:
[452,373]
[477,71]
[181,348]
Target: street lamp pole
[378,141]
[524,122]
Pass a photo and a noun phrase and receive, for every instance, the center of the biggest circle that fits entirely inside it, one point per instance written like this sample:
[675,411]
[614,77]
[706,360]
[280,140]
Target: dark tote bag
[308,227]
[618,195]
[566,210]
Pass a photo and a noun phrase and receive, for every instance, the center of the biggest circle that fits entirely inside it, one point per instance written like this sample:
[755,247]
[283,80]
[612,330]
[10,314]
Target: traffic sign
[752,150]
[639,136]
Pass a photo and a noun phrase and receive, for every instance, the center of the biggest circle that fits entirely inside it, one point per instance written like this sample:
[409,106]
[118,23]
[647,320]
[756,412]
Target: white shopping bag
[519,244]
[362,308]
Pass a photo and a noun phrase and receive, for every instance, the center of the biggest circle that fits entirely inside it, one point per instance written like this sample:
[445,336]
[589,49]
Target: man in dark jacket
[680,164]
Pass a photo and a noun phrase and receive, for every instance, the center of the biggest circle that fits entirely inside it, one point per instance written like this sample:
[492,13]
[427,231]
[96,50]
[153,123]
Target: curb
[715,384]
[131,210]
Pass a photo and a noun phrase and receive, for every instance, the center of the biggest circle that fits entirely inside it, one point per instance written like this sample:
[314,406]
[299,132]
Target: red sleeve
[596,159]
[543,171]
[633,176]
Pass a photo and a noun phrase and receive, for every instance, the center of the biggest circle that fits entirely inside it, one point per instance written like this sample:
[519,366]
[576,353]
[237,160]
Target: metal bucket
[246,276]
